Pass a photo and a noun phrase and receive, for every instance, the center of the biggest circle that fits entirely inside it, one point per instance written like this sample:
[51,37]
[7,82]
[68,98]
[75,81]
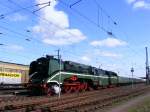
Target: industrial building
[13,73]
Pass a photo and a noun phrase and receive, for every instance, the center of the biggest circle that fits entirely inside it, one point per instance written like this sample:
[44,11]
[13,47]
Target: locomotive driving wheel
[71,87]
[49,91]
[67,89]
[74,84]
[75,87]
[84,86]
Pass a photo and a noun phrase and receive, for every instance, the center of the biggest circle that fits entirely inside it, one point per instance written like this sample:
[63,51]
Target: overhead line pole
[59,58]
[132,70]
[147,68]
[58,53]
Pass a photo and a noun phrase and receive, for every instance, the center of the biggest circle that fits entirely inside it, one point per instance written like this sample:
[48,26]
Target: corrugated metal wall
[11,68]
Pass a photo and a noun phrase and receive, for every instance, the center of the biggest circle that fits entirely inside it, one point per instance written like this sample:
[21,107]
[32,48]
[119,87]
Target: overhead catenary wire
[22,35]
[75,3]
[108,32]
[46,4]
[1,44]
[26,37]
[4,15]
[49,22]
[15,32]
[102,28]
[89,20]
[83,16]
[99,8]
[114,22]
[109,17]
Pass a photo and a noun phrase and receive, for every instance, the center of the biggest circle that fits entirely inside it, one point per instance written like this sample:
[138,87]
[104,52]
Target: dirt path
[131,103]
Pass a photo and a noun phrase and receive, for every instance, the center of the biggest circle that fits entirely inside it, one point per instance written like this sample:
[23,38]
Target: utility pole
[147,68]
[59,58]
[132,70]
[58,53]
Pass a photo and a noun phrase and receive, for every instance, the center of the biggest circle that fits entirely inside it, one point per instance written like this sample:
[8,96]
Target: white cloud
[18,17]
[108,54]
[14,47]
[111,67]
[56,31]
[109,42]
[96,53]
[130,1]
[64,37]
[141,4]
[86,58]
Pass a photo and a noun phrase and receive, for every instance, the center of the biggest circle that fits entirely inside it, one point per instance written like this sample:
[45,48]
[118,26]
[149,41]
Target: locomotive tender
[45,77]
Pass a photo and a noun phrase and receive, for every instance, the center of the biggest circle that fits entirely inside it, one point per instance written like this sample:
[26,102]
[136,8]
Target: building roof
[11,65]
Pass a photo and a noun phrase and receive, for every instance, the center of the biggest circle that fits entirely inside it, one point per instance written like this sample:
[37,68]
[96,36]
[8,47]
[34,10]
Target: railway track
[96,104]
[87,101]
[6,89]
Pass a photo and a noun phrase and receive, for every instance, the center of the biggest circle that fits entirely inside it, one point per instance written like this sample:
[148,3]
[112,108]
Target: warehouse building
[12,73]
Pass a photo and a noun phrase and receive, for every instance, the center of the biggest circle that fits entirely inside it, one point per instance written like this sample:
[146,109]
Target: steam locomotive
[49,75]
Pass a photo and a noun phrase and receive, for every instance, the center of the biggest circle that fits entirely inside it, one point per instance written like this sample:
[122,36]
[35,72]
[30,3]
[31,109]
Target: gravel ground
[124,107]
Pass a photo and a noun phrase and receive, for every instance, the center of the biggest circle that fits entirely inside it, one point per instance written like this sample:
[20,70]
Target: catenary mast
[147,68]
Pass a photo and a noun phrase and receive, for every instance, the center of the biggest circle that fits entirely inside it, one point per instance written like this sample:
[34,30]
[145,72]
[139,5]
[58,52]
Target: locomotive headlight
[30,80]
[39,63]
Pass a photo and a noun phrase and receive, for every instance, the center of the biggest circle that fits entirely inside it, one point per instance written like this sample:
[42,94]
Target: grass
[144,106]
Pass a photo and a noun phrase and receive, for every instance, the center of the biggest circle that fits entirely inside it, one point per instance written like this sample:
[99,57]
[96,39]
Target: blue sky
[60,27]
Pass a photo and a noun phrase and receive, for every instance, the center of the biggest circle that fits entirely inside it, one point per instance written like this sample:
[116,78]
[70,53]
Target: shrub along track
[86,101]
